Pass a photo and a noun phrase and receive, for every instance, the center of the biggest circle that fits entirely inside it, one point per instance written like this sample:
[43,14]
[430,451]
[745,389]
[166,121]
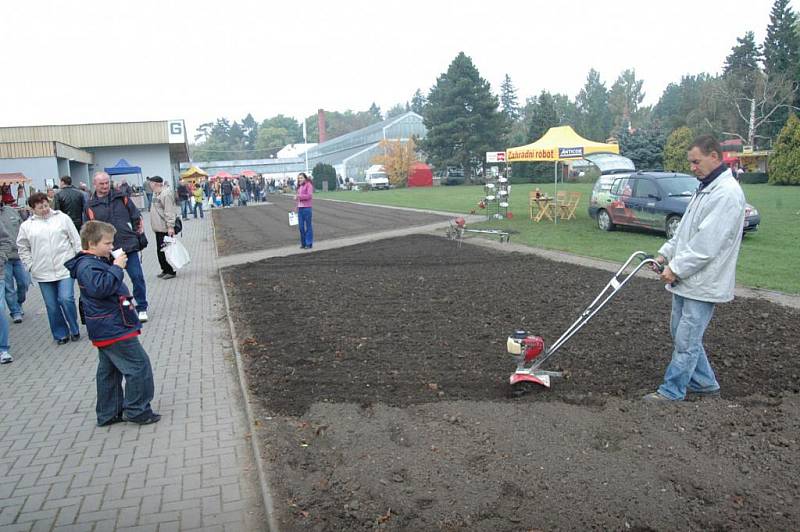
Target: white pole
[555,199]
[305,141]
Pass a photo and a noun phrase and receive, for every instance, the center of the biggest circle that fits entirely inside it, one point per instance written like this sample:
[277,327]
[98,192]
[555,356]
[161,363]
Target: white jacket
[704,250]
[46,243]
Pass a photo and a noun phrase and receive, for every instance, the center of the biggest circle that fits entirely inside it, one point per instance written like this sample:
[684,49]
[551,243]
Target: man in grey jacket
[162,220]
[700,269]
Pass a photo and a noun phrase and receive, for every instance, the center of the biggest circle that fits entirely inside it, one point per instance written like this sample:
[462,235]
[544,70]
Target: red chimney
[323,136]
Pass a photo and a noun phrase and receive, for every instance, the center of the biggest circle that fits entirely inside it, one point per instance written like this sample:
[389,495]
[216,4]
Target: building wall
[79,172]
[36,169]
[154,159]
[63,166]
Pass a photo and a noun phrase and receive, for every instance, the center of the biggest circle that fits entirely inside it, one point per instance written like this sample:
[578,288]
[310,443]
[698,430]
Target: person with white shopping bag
[163,213]
[305,192]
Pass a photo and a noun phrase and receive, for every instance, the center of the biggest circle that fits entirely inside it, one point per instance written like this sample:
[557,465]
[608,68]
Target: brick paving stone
[58,471]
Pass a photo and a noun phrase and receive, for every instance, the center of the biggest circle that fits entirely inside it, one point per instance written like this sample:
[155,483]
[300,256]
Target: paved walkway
[191,471]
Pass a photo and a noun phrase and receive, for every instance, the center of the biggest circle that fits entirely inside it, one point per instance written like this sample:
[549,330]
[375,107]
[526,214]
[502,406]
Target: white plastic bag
[293,219]
[176,253]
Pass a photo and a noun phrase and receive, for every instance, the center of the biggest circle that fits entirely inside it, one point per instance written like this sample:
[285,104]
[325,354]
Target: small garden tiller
[528,349]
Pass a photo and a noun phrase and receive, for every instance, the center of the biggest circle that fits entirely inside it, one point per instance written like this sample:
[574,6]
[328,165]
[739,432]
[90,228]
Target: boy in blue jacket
[113,327]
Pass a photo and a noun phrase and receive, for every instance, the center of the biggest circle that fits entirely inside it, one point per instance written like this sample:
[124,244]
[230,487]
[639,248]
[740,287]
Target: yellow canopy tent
[558,144]
[193,174]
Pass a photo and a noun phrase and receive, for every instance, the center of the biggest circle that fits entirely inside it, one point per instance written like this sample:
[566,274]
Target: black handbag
[142,240]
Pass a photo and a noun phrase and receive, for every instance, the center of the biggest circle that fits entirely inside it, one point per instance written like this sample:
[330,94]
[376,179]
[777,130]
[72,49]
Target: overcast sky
[106,61]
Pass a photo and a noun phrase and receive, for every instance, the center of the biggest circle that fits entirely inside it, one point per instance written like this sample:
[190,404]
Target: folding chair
[569,207]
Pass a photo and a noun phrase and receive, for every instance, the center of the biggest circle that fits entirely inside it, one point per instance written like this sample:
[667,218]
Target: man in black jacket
[107,205]
[70,201]
[183,196]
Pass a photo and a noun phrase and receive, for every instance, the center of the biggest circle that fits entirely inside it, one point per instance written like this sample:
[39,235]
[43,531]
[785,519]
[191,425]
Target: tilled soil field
[381,379]
[266,226]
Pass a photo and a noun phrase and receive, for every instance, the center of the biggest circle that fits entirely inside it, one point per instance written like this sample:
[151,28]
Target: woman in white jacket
[46,241]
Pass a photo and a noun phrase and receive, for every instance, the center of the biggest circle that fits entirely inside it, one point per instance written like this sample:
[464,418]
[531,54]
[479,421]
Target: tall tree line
[750,99]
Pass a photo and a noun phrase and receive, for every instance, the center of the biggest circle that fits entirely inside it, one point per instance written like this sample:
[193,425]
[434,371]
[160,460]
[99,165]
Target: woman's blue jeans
[124,359]
[689,368]
[59,299]
[304,224]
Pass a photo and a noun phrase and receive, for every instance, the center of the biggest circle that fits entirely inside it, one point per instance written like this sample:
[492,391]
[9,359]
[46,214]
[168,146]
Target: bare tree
[758,101]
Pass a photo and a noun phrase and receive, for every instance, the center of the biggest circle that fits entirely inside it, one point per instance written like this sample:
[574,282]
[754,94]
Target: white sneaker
[142,316]
[6,358]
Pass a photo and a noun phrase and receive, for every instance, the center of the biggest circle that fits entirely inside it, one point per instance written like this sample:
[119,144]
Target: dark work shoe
[113,421]
[169,276]
[147,420]
[160,275]
[62,341]
[75,337]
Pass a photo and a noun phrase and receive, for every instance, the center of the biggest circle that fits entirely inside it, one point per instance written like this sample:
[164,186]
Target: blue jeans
[689,368]
[304,224]
[184,208]
[198,205]
[226,200]
[148,197]
[3,322]
[136,274]
[124,359]
[59,299]
[17,281]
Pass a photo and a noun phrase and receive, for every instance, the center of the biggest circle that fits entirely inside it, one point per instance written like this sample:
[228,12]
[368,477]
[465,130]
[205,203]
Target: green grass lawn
[768,258]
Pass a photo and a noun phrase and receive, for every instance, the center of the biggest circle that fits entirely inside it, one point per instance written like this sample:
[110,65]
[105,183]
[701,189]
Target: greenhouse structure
[352,154]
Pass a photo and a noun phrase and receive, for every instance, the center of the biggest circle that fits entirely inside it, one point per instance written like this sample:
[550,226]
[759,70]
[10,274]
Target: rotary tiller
[457,228]
[529,350]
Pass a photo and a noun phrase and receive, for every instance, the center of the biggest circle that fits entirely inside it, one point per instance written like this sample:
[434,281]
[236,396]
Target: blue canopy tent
[123,167]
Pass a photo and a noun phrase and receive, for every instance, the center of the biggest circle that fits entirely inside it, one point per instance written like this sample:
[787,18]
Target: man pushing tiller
[699,266]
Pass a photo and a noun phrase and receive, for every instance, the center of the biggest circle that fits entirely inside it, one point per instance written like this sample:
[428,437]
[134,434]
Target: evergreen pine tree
[744,56]
[785,159]
[418,102]
[508,99]
[782,44]
[675,150]
[462,118]
[624,98]
[594,116]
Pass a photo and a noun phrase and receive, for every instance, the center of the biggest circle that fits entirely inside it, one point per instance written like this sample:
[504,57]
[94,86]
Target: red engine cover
[460,222]
[534,345]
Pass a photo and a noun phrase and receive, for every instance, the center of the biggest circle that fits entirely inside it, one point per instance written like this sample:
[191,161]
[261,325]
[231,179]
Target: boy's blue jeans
[689,368]
[124,359]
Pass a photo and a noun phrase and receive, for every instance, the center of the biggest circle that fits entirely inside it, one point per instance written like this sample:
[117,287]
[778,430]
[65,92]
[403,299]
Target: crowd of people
[67,233]
[195,196]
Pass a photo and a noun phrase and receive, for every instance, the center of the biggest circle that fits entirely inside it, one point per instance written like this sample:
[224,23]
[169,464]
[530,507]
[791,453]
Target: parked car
[611,166]
[651,200]
[453,175]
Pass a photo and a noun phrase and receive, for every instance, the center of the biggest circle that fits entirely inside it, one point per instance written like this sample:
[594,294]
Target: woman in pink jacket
[305,191]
